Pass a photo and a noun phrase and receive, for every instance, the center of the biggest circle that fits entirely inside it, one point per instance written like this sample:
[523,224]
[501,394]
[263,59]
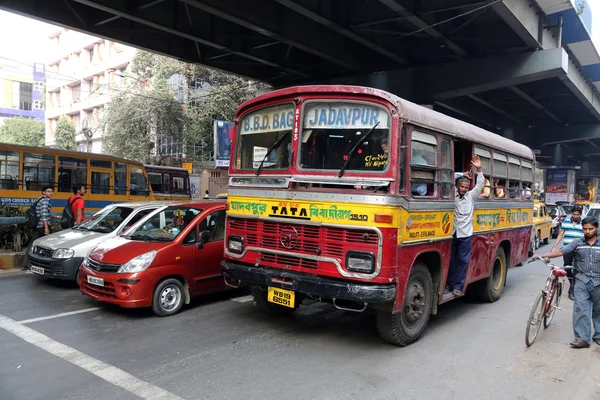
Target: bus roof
[407,111]
[68,153]
[164,167]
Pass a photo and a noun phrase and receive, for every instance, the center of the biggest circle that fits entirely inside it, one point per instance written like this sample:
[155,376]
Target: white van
[59,255]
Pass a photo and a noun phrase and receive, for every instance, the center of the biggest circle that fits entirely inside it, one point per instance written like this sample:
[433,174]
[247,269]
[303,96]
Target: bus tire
[490,289]
[407,326]
[260,300]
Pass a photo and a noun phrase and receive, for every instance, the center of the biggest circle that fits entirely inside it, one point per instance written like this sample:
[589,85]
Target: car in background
[542,223]
[161,262]
[594,211]
[558,215]
[60,254]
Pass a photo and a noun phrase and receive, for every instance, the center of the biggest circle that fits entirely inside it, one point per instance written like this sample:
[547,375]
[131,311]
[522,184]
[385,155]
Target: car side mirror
[204,238]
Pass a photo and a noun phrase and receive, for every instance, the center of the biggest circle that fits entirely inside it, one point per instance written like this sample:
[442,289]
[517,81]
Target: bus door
[100,178]
[138,183]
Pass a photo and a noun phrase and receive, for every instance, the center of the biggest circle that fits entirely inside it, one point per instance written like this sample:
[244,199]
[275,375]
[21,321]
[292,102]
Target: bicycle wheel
[554,302]
[535,319]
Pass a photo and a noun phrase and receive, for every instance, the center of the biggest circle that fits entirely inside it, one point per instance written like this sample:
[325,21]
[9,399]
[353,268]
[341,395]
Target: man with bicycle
[570,229]
[586,257]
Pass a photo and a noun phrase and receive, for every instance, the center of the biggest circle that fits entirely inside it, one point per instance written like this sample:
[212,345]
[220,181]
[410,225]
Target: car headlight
[235,244]
[138,263]
[63,253]
[360,262]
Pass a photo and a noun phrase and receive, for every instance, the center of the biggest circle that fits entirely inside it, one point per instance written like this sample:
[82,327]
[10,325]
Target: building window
[37,105]
[25,106]
[76,90]
[39,86]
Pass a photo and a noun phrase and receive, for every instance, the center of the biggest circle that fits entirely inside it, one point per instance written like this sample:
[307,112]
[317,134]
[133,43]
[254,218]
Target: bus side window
[423,164]
[120,178]
[485,157]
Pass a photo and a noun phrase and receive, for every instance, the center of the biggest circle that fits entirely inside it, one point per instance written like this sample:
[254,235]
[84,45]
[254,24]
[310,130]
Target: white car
[59,255]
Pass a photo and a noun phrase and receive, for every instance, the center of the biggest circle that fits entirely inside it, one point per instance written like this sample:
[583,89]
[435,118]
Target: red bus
[346,195]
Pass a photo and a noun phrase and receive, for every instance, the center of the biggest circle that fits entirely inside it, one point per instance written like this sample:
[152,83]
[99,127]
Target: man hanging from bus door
[463,227]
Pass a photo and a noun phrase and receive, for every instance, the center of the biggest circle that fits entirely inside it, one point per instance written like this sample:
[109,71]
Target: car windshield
[593,212]
[164,225]
[552,210]
[567,209]
[330,130]
[259,131]
[106,220]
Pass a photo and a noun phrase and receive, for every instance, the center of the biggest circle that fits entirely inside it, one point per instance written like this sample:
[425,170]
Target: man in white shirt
[463,227]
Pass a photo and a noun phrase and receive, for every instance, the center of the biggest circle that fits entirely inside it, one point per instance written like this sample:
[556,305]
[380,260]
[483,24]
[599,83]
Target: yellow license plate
[281,296]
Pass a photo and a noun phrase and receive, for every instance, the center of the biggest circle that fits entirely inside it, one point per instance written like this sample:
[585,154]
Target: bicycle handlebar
[547,262]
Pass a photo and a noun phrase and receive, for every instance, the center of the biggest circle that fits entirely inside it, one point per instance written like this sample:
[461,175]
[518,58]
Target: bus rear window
[330,130]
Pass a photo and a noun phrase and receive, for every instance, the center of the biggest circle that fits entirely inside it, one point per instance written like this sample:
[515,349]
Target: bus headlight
[235,244]
[360,262]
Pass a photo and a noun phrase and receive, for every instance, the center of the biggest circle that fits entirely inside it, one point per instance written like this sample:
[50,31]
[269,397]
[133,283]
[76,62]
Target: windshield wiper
[138,236]
[351,153]
[275,146]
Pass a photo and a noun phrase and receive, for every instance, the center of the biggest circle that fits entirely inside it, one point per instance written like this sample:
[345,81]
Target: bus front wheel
[407,326]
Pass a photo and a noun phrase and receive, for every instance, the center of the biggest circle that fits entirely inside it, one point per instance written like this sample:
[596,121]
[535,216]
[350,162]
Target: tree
[65,134]
[154,108]
[136,118]
[21,130]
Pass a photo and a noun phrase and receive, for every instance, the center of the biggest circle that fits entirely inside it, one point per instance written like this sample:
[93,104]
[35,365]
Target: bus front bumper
[309,284]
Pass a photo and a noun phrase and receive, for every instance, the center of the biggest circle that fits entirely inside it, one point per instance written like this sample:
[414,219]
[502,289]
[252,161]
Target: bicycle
[547,302]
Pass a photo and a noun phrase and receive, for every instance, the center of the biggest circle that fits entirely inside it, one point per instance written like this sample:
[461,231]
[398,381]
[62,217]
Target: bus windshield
[330,130]
[258,131]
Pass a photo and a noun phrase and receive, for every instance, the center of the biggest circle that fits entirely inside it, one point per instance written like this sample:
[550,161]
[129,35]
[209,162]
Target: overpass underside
[497,64]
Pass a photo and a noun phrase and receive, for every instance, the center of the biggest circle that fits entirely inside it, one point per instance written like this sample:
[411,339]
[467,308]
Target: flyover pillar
[508,133]
[558,157]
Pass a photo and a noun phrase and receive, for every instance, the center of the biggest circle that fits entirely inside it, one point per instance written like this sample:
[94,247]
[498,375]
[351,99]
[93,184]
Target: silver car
[60,254]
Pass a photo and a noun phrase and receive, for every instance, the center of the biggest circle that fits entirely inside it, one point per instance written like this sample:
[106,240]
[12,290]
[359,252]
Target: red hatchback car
[162,261]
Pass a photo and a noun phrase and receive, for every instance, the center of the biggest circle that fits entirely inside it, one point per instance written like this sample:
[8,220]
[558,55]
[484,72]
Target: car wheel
[168,298]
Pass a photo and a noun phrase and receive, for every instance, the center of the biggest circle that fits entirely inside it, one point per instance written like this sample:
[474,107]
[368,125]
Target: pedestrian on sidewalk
[570,229]
[77,203]
[586,257]
[42,211]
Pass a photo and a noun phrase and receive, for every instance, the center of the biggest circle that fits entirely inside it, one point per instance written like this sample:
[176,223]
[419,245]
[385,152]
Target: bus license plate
[281,296]
[37,270]
[95,281]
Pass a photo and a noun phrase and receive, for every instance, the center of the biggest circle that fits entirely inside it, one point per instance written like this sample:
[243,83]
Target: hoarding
[223,137]
[557,185]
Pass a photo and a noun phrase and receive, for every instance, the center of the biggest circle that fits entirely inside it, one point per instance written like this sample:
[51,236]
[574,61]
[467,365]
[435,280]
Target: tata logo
[289,237]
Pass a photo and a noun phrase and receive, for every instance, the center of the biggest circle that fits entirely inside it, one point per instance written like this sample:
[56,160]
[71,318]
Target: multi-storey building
[21,88]
[85,73]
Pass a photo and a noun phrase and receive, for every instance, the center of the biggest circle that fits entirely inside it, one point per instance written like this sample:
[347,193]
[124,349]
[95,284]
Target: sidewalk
[11,261]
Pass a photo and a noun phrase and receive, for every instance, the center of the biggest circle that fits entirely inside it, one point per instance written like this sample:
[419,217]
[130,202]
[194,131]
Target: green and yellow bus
[24,170]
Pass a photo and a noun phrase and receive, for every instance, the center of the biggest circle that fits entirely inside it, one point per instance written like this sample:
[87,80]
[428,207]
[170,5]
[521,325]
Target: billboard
[223,137]
[586,189]
[557,185]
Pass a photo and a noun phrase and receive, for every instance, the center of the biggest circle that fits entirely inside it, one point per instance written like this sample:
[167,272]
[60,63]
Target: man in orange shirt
[77,203]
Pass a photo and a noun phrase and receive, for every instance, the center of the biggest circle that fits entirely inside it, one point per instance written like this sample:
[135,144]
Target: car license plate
[95,281]
[37,270]
[281,296]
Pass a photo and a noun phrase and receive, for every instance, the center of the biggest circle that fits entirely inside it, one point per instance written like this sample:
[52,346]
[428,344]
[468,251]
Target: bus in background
[169,183]
[346,194]
[25,170]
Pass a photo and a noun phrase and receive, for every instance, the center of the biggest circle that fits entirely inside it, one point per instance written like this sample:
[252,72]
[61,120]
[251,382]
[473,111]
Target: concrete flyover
[516,67]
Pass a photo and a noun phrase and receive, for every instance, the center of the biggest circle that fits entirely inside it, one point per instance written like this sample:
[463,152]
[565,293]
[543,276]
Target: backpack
[68,217]
[31,215]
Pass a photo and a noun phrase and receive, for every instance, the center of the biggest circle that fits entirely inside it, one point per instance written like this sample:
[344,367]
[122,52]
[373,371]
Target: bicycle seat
[559,272]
